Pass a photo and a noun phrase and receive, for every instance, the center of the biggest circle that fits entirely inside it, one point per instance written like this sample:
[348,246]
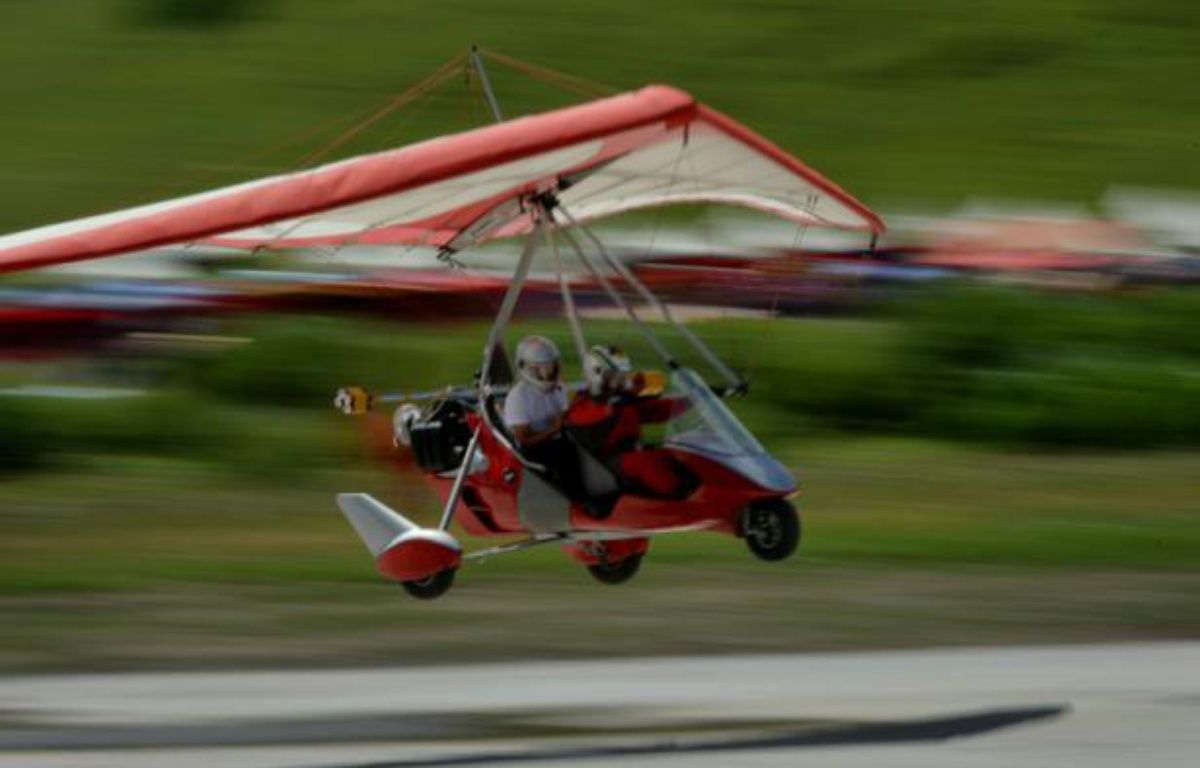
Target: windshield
[707,426]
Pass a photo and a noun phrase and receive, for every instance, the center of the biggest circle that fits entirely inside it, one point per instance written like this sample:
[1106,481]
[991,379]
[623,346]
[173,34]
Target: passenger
[607,421]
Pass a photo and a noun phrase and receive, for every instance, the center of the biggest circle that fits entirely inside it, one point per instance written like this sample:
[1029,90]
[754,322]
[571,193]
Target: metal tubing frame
[502,318]
[616,298]
[459,480]
[737,382]
[568,300]
[509,304]
[516,546]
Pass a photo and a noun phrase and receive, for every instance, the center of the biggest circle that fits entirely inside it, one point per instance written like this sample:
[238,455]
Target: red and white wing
[656,146]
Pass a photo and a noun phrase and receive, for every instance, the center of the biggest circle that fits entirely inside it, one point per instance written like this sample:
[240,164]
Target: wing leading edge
[655,146]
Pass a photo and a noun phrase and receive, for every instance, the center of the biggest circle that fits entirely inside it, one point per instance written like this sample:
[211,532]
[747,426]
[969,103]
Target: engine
[438,438]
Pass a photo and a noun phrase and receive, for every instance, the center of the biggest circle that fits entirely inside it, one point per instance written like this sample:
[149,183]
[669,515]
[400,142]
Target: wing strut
[489,352]
[509,304]
[617,299]
[568,300]
[736,383]
[460,478]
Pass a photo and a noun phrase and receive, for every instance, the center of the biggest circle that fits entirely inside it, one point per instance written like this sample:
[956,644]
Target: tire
[431,587]
[772,529]
[618,572]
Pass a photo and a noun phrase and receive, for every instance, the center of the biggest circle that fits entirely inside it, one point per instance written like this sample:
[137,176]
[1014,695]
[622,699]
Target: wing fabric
[655,146]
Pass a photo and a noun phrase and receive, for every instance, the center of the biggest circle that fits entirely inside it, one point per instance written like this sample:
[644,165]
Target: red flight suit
[611,428]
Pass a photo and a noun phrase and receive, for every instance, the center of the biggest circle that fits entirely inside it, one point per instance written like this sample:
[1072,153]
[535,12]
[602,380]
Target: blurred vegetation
[198,519]
[197,13]
[996,366]
[23,446]
[992,366]
[900,103]
[155,562]
[269,444]
[1000,366]
[301,362]
[195,524]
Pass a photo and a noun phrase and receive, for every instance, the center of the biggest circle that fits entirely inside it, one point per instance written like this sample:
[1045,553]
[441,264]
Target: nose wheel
[771,529]
[618,572]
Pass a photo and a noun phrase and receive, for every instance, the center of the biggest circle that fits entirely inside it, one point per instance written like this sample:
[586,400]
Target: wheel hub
[764,528]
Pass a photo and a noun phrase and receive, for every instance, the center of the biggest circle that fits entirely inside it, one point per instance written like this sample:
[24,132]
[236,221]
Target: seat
[598,479]
[495,417]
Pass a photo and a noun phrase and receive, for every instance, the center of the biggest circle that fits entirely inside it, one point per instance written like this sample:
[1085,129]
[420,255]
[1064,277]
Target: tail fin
[376,524]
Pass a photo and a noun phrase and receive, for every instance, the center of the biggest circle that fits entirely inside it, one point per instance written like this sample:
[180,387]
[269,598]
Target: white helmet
[605,367]
[538,361]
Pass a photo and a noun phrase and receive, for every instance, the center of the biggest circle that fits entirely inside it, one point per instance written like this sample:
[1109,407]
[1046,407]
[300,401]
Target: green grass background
[974,483]
[196,526]
[116,102]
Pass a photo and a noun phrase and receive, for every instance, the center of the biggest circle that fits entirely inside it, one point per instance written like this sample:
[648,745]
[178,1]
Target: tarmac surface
[1072,705]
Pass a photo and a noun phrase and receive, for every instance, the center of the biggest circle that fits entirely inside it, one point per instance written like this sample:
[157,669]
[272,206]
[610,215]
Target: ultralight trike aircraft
[543,177]
[731,484]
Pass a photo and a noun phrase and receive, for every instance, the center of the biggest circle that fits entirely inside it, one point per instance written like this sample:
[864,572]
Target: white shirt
[531,406]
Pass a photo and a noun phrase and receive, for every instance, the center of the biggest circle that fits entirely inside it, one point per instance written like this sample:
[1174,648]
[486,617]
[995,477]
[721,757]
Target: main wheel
[618,572]
[772,529]
[431,586]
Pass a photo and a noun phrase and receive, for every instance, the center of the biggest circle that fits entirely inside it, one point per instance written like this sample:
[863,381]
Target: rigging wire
[474,99]
[259,160]
[572,83]
[473,96]
[475,277]
[659,211]
[332,253]
[402,99]
[354,124]
[408,96]
[399,128]
[412,96]
[309,135]
[417,92]
[568,300]
[465,117]
[802,225]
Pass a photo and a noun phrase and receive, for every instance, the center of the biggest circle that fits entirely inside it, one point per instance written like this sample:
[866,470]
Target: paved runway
[1084,705]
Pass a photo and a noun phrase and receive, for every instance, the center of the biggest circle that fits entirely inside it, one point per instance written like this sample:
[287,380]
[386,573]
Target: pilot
[533,413]
[534,408]
[607,420]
